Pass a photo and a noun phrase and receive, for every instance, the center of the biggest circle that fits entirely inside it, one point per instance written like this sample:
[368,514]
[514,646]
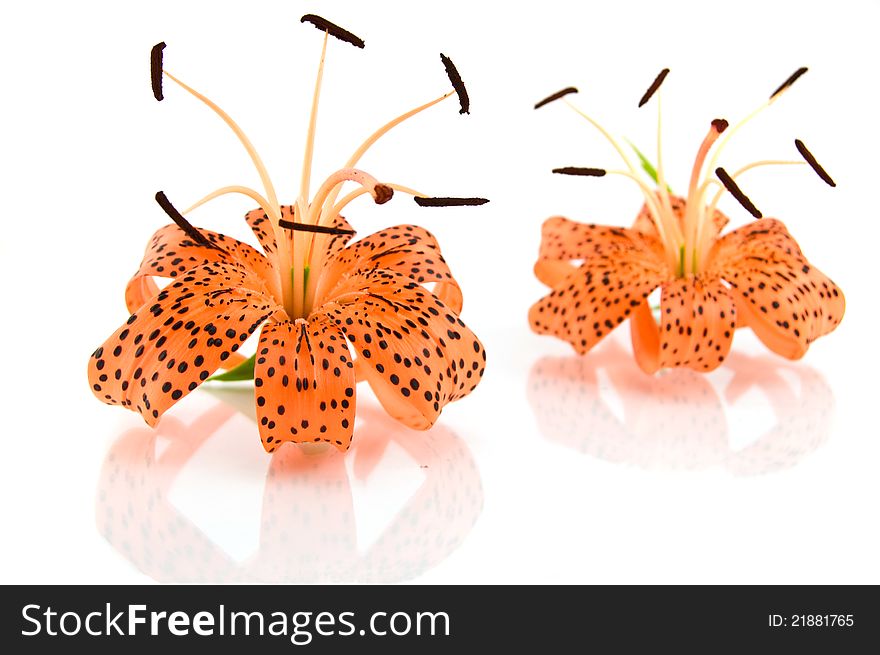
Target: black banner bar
[275,619]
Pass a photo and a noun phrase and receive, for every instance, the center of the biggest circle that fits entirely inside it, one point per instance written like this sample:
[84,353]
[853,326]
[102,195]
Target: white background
[557,469]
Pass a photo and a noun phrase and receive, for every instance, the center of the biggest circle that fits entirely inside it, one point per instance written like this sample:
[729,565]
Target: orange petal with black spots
[176,340]
[304,384]
[171,253]
[786,301]
[619,270]
[406,249]
[415,352]
[566,243]
[697,322]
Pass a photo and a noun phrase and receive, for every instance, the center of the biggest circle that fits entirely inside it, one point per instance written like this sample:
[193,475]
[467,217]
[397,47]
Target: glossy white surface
[558,468]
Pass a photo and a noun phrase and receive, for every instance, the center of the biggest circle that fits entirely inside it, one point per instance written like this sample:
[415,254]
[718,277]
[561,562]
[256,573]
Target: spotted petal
[406,249]
[305,386]
[416,353]
[564,243]
[171,253]
[697,322]
[786,301]
[173,342]
[620,269]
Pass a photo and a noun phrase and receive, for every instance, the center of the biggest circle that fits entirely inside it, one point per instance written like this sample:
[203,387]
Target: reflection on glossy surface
[308,520]
[680,419]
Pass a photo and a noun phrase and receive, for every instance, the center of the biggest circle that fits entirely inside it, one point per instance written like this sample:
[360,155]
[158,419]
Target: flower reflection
[308,523]
[603,405]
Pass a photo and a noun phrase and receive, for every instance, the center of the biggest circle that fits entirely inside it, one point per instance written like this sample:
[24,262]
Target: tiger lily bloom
[310,292]
[710,283]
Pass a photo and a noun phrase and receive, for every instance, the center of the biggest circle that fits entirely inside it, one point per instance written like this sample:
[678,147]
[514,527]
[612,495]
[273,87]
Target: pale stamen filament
[368,182]
[313,121]
[661,180]
[273,208]
[656,214]
[608,137]
[378,134]
[246,191]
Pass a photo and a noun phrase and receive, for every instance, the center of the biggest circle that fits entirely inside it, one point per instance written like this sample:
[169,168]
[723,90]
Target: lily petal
[786,301]
[171,253]
[305,386]
[698,319]
[406,249]
[620,269]
[176,340]
[415,352]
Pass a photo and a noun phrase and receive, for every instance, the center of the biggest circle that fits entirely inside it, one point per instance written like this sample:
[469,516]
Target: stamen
[791,80]
[423,201]
[156,70]
[305,181]
[815,165]
[308,227]
[243,190]
[654,86]
[580,170]
[333,30]
[736,192]
[191,231]
[556,96]
[457,84]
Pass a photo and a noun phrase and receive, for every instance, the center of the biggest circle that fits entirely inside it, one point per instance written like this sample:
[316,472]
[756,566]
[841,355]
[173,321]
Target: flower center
[687,240]
[302,243]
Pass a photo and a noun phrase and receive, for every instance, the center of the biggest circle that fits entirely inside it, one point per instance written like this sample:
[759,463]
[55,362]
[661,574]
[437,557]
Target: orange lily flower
[710,283]
[313,293]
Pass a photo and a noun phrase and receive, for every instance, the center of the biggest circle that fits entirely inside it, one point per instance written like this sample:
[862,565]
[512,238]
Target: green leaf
[647,166]
[244,371]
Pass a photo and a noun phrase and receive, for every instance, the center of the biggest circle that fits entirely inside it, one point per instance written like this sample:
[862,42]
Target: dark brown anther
[555,96]
[737,193]
[654,86]
[156,70]
[457,84]
[308,227]
[191,231]
[580,170]
[423,201]
[791,80]
[333,30]
[815,165]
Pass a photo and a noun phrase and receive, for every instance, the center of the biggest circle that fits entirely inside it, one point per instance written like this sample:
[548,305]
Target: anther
[156,70]
[737,193]
[815,165]
[423,201]
[556,96]
[308,227]
[654,86]
[580,170]
[333,30]
[457,84]
[191,231]
[791,80]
